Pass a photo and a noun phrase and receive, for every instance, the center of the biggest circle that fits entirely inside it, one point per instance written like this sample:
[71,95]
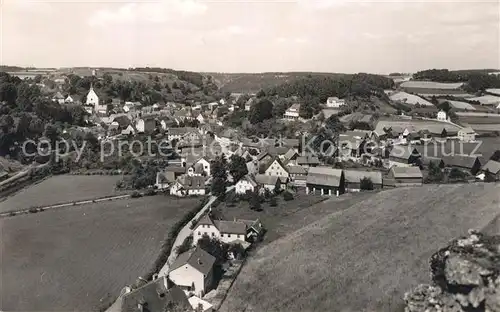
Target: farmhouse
[404,176]
[441,116]
[226,231]
[334,102]
[292,112]
[327,181]
[308,161]
[58,97]
[249,104]
[186,185]
[192,271]
[298,175]
[267,182]
[276,168]
[353,179]
[245,184]
[404,156]
[467,135]
[492,168]
[168,176]
[154,296]
[469,163]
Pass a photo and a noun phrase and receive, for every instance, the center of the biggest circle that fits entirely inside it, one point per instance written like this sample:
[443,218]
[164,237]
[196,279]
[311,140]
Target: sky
[252,36]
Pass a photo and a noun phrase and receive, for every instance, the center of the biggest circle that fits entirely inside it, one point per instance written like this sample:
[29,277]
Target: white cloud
[153,12]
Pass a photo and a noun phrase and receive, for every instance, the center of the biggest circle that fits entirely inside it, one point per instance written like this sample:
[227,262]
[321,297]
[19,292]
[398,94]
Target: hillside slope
[363,258]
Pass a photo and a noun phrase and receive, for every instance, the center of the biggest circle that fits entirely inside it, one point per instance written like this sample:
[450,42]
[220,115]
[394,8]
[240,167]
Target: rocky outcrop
[465,278]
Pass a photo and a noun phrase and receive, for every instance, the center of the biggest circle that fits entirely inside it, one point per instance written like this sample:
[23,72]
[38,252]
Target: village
[371,152]
[234,150]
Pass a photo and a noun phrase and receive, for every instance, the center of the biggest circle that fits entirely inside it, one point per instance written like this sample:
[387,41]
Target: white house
[70,99]
[276,168]
[130,130]
[267,182]
[334,102]
[292,112]
[226,231]
[200,168]
[467,135]
[58,97]
[192,271]
[187,185]
[441,116]
[245,184]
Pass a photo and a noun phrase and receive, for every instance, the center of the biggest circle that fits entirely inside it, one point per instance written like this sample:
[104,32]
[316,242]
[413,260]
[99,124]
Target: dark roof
[176,169]
[492,166]
[266,179]
[324,176]
[197,258]
[406,172]
[231,227]
[296,170]
[205,220]
[256,225]
[462,161]
[154,296]
[308,160]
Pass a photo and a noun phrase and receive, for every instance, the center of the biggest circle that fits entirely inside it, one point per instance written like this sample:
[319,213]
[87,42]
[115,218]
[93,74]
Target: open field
[77,258]
[287,216]
[409,99]
[62,189]
[365,257]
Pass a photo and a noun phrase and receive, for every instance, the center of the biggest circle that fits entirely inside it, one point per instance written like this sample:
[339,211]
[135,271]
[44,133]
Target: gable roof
[467,130]
[154,296]
[324,176]
[463,161]
[296,170]
[205,220]
[492,166]
[272,161]
[197,258]
[263,179]
[355,176]
[406,172]
[290,154]
[308,160]
[250,179]
[231,227]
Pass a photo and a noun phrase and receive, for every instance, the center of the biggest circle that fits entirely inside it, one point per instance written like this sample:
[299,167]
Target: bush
[150,192]
[366,184]
[135,194]
[287,196]
[186,245]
